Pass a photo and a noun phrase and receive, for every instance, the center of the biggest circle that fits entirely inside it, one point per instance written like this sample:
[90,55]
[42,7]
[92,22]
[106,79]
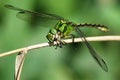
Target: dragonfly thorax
[61,30]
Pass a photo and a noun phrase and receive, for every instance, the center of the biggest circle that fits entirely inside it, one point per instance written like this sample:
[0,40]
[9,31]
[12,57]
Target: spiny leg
[59,43]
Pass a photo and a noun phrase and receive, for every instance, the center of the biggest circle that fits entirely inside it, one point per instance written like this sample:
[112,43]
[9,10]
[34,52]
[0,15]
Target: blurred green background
[73,61]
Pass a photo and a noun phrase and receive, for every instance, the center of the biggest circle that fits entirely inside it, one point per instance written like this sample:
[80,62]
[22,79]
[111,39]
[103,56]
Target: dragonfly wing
[30,14]
[97,58]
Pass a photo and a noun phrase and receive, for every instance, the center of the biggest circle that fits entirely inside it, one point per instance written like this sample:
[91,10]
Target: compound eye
[53,31]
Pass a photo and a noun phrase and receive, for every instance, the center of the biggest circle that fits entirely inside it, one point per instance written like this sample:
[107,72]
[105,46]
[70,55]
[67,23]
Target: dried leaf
[18,64]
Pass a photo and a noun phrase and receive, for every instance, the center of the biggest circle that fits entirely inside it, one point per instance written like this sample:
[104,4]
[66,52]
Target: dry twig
[22,51]
[98,38]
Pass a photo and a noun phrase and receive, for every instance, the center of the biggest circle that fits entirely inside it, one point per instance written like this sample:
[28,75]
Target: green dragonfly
[63,29]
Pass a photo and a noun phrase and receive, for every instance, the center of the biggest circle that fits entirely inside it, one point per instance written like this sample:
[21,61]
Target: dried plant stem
[97,38]
[19,64]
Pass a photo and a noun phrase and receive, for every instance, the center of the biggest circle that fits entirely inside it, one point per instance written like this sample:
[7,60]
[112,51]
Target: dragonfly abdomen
[98,26]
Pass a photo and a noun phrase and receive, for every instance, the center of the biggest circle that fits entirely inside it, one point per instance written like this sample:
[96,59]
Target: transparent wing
[99,60]
[26,15]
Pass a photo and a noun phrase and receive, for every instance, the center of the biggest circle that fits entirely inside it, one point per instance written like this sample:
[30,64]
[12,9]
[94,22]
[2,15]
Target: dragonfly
[63,30]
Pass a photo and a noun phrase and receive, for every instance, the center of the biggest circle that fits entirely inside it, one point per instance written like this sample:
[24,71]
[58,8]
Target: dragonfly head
[51,35]
[54,36]
[57,33]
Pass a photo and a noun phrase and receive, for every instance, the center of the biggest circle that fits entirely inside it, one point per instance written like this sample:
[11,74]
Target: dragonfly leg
[57,43]
[50,43]
[70,36]
[73,36]
[60,43]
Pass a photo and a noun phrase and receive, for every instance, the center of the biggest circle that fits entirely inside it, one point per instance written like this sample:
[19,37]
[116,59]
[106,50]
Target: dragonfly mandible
[63,29]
